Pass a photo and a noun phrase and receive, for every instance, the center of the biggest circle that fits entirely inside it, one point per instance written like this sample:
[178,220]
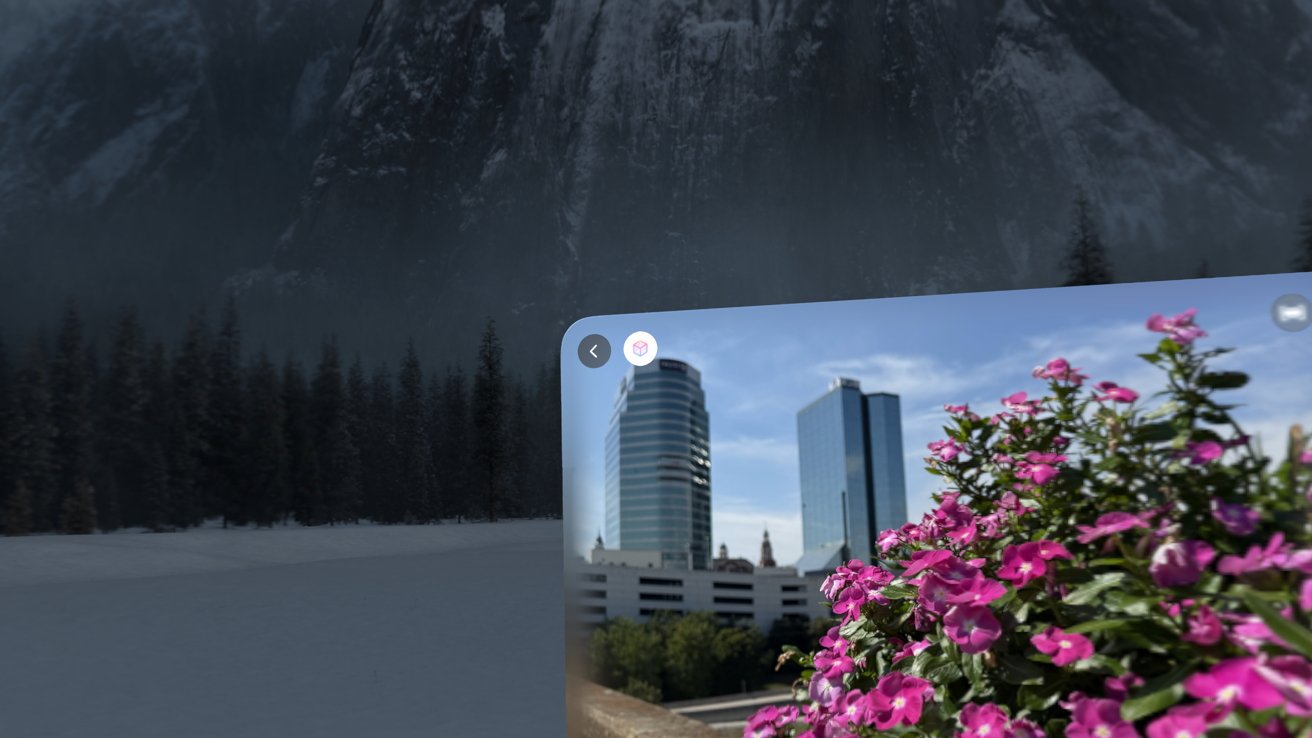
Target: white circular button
[640,348]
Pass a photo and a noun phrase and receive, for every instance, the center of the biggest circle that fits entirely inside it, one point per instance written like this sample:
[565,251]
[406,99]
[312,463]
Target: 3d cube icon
[639,348]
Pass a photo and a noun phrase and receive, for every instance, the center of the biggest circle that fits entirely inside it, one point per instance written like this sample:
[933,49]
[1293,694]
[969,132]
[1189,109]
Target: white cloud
[771,450]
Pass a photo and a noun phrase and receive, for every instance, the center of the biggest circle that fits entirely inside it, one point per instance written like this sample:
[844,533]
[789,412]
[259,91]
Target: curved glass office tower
[658,466]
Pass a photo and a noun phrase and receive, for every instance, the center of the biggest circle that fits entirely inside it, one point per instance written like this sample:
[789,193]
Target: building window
[789,603]
[594,577]
[593,610]
[660,596]
[732,585]
[647,612]
[598,593]
[655,582]
[733,600]
[792,588]
[734,617]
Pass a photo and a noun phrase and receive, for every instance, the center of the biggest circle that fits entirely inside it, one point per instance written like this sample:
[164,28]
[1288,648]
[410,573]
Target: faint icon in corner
[640,348]
[1292,312]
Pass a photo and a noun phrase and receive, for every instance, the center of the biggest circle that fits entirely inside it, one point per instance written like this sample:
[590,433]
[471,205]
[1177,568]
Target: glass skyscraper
[658,466]
[852,479]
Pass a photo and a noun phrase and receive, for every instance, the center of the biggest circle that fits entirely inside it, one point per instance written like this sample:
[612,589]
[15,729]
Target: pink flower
[889,540]
[977,591]
[853,708]
[983,721]
[1238,520]
[1291,676]
[972,627]
[1305,595]
[1115,393]
[1040,474]
[957,409]
[1234,681]
[1305,457]
[1181,328]
[833,663]
[1204,452]
[1118,688]
[922,560]
[834,642]
[1064,648]
[825,689]
[1110,524]
[1098,718]
[898,699]
[1060,370]
[1020,404]
[1181,563]
[1259,558]
[911,650]
[769,720]
[1187,722]
[1205,627]
[1022,564]
[935,592]
[945,450]
[1049,550]
[849,603]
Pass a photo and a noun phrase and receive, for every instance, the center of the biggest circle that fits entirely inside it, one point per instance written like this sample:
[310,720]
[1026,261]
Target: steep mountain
[585,155]
[413,167]
[150,148]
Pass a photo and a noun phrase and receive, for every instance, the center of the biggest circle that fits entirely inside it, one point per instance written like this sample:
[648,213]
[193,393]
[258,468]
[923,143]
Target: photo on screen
[716,477]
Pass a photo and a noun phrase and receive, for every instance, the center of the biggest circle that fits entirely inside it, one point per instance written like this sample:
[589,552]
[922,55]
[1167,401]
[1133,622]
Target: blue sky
[760,365]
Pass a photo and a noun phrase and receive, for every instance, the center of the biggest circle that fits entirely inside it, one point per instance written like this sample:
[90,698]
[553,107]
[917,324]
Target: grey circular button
[1292,312]
[594,351]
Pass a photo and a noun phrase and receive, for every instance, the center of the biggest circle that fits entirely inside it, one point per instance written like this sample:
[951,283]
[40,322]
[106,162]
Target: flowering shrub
[1102,566]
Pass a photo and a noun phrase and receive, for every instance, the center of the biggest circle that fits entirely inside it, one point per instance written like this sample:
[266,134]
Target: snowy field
[449,630]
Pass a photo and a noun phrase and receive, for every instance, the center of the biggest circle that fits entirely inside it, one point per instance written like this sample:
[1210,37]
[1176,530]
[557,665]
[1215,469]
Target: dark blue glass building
[852,479]
[658,466]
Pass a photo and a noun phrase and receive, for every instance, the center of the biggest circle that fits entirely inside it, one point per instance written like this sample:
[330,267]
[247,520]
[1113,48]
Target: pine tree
[16,514]
[452,445]
[302,459]
[522,444]
[1086,261]
[8,424]
[263,483]
[78,510]
[224,421]
[32,441]
[70,406]
[156,501]
[1204,269]
[412,438]
[338,456]
[387,495]
[1303,259]
[154,506]
[190,382]
[489,419]
[547,462]
[121,421]
[358,425]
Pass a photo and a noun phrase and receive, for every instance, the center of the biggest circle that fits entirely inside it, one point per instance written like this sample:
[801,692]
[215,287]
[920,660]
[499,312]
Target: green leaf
[1152,703]
[1097,626]
[900,591]
[1154,433]
[1223,380]
[1298,637]
[1088,593]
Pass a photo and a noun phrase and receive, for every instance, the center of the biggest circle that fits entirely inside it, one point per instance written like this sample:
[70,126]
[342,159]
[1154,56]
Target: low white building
[600,591]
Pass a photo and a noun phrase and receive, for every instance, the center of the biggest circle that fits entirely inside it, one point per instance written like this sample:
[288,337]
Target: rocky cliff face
[610,156]
[540,159]
[150,148]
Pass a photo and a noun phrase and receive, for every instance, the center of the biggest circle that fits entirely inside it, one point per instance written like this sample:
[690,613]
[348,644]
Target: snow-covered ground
[450,630]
